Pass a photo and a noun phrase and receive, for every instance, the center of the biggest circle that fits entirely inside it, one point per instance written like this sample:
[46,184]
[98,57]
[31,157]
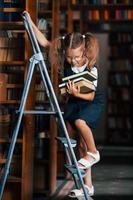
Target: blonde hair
[91,49]
[73,40]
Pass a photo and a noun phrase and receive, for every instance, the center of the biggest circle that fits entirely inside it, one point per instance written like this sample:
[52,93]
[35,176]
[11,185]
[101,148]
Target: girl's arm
[39,35]
[90,96]
[71,89]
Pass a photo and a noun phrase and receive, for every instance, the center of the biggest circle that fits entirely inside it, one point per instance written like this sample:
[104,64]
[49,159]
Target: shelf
[101,21]
[10,102]
[2,161]
[102,7]
[11,86]
[14,71]
[41,191]
[12,10]
[12,25]
[12,62]
[3,140]
[14,179]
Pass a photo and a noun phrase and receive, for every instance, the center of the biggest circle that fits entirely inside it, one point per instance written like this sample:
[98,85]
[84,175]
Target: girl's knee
[79,122]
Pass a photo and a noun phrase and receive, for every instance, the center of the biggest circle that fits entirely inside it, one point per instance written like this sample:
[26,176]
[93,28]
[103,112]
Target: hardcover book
[84,84]
[85,74]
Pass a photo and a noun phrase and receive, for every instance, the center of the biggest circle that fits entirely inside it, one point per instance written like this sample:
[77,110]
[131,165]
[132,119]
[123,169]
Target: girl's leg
[87,135]
[83,151]
[69,129]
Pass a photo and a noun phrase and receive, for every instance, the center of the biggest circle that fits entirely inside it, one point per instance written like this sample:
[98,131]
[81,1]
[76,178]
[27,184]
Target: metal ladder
[69,144]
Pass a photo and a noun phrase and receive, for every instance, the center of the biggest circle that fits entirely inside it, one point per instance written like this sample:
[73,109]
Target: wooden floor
[112,177]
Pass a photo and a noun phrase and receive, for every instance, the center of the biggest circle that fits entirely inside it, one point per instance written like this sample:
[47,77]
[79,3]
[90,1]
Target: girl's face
[76,57]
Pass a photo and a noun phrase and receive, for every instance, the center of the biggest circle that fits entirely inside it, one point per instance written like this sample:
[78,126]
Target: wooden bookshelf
[119,98]
[46,166]
[92,16]
[20,181]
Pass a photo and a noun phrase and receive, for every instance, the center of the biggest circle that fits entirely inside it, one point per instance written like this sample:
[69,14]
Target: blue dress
[76,108]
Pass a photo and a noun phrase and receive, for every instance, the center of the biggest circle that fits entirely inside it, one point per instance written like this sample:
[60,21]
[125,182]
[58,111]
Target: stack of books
[83,80]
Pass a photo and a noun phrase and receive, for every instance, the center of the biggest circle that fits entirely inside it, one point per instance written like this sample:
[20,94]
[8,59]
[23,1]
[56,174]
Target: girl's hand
[71,89]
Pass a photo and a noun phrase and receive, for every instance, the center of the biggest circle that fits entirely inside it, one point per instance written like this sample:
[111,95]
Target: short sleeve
[95,72]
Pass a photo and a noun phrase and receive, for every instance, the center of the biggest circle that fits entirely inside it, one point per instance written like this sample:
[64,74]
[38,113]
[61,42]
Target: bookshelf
[99,16]
[15,53]
[45,158]
[119,97]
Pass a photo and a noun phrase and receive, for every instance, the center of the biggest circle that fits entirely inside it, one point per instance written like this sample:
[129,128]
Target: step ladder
[38,60]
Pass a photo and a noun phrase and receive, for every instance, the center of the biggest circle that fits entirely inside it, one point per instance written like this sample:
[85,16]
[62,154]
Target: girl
[76,53]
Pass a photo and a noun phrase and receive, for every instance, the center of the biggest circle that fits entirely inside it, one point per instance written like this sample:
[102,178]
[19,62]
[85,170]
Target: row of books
[107,15]
[44,5]
[120,123]
[11,69]
[100,2]
[11,41]
[9,93]
[13,94]
[125,52]
[10,1]
[121,65]
[40,126]
[10,16]
[42,146]
[11,45]
[42,133]
[40,96]
[11,34]
[115,109]
[10,54]
[123,94]
[120,38]
[15,79]
[120,79]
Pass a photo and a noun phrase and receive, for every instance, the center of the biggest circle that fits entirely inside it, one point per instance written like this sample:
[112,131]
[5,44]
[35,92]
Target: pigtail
[56,53]
[91,49]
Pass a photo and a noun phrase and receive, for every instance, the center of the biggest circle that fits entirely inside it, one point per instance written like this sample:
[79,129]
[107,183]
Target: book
[3,84]
[83,79]
[85,74]
[85,85]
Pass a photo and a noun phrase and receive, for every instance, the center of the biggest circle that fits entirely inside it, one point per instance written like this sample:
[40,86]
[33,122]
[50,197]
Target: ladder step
[40,112]
[63,140]
[72,169]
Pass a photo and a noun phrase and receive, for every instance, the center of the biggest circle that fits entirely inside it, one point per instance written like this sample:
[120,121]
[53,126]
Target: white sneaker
[79,193]
[86,164]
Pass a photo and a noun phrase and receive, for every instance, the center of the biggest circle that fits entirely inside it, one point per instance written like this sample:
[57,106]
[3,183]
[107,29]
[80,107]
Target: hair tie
[83,36]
